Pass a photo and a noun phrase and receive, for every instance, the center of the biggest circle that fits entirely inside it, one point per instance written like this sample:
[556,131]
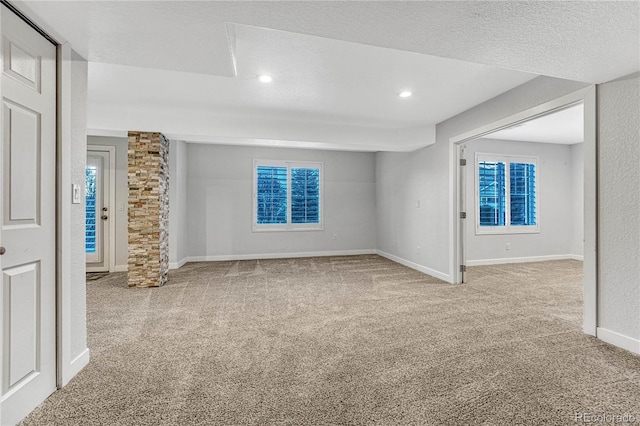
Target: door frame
[587,96]
[111,150]
[462,207]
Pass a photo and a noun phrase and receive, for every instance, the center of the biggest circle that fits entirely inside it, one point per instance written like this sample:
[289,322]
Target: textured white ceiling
[315,80]
[563,127]
[188,67]
[591,41]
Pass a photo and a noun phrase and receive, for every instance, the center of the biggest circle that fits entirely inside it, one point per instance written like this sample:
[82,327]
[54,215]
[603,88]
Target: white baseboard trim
[75,366]
[219,258]
[619,340]
[576,257]
[522,259]
[179,264]
[121,268]
[417,267]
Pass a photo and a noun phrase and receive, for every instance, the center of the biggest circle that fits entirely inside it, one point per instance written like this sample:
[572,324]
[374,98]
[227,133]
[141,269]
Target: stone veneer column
[148,209]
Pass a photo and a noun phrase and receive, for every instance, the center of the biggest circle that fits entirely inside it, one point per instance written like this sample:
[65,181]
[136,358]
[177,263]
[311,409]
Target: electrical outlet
[507,246]
[418,250]
[335,236]
[418,204]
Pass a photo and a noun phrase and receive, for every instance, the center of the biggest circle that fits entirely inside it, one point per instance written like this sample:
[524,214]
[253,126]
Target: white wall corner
[179,264]
[67,288]
[616,339]
[417,137]
[417,267]
[64,215]
[75,366]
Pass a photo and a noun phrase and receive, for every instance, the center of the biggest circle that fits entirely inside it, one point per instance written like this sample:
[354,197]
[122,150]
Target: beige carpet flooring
[343,341]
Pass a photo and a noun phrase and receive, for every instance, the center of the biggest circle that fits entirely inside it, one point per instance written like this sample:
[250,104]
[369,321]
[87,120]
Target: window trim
[287,227]
[507,228]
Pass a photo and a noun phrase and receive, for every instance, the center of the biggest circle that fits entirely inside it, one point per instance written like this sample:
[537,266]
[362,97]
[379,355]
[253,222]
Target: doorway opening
[523,192]
[498,214]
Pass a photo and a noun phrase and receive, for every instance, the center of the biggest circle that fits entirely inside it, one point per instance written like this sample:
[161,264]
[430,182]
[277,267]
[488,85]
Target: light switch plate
[75,193]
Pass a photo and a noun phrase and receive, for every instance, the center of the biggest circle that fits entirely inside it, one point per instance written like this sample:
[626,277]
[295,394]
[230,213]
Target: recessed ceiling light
[405,94]
[264,78]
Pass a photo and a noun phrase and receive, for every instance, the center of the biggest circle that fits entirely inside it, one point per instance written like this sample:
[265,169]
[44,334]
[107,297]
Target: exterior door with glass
[97,211]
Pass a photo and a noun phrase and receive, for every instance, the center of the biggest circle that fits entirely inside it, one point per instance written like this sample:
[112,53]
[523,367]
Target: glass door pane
[93,209]
[91,213]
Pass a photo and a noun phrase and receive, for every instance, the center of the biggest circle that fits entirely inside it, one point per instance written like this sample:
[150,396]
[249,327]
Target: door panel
[21,65]
[21,288]
[21,153]
[27,231]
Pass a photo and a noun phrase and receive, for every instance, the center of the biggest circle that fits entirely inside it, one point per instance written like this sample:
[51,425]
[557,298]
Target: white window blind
[506,194]
[287,195]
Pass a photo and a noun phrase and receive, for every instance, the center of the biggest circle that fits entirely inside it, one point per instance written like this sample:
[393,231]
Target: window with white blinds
[287,196]
[271,190]
[506,194]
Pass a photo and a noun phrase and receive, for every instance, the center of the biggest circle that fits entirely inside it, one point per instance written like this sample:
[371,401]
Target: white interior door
[98,210]
[27,218]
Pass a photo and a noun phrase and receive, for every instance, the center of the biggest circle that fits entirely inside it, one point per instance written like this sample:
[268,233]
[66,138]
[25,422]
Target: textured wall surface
[178,203]
[619,202]
[78,155]
[148,209]
[577,199]
[411,202]
[220,189]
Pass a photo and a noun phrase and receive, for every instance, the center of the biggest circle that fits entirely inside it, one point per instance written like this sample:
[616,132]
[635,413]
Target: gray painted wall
[577,199]
[78,305]
[219,203]
[412,196]
[556,213]
[177,203]
[619,201]
[119,217]
[425,175]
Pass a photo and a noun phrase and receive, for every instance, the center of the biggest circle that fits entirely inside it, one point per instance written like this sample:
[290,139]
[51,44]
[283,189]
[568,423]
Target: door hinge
[463,215]
[463,161]
[463,268]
